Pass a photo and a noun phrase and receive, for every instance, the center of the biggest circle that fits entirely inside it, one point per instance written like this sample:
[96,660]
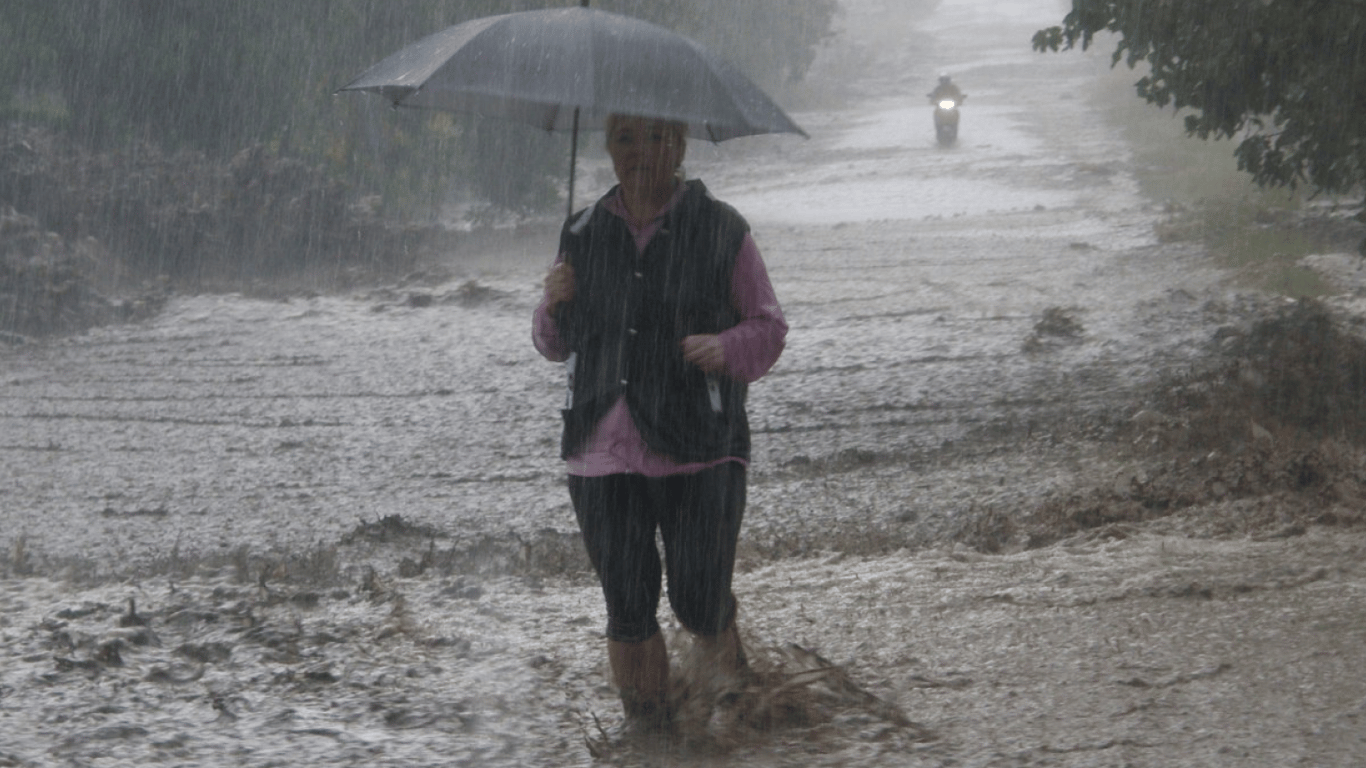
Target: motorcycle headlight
[947,104]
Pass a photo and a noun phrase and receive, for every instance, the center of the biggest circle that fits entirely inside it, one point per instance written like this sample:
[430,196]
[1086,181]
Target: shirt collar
[617,207]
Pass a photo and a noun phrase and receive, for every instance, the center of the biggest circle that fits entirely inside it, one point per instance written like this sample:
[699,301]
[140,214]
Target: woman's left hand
[705,351]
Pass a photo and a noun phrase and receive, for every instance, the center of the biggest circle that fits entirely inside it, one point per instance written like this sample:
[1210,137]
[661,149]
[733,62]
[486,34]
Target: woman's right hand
[559,284]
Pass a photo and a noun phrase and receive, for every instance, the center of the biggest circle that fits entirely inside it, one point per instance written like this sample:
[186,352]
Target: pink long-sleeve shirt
[752,346]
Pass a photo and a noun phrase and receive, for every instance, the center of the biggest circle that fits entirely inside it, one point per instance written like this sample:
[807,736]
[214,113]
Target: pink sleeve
[753,345]
[544,333]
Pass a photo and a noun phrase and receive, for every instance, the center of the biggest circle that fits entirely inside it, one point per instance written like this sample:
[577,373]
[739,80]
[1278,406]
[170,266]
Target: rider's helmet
[943,79]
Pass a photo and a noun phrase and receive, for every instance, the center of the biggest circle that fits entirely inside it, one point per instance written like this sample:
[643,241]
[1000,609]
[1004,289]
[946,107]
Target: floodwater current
[913,277]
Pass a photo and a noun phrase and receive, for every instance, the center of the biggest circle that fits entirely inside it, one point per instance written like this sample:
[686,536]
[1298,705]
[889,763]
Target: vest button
[631,331]
[639,275]
[623,382]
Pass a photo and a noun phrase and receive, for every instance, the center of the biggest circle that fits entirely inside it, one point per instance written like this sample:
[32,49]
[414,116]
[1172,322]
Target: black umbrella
[551,68]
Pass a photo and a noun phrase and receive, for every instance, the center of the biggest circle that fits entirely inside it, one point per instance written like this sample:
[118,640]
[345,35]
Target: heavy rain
[1052,471]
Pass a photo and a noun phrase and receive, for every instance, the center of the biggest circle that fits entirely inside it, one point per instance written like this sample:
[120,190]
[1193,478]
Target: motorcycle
[946,121]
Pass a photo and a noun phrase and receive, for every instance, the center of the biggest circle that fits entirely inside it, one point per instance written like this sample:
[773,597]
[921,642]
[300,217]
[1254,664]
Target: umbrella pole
[573,160]
[574,148]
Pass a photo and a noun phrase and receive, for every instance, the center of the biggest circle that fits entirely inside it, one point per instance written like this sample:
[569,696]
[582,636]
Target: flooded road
[344,519]
[913,277]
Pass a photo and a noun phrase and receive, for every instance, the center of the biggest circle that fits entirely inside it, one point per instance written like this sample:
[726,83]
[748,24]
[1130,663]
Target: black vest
[629,314]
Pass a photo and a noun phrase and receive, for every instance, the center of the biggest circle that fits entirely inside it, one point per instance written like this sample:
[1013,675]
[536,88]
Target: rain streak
[1060,464]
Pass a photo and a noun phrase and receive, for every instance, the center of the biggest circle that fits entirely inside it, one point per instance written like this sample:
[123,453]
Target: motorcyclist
[947,89]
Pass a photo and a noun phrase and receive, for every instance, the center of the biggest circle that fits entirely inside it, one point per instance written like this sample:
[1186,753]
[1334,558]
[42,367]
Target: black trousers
[698,518]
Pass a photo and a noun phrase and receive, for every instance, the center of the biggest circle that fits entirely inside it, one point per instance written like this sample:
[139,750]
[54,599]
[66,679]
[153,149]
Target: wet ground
[345,536]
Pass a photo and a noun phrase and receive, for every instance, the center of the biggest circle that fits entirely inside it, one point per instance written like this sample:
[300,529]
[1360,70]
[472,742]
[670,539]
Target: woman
[660,306]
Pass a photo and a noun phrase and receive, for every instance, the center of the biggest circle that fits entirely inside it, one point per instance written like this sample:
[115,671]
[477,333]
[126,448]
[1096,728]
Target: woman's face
[645,153]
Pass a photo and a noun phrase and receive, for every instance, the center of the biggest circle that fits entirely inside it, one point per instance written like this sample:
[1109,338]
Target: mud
[1026,492]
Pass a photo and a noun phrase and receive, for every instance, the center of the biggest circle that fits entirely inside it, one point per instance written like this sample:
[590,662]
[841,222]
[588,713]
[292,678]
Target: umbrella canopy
[551,67]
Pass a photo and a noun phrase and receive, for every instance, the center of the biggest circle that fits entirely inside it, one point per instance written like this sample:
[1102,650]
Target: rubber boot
[724,693]
[641,673]
[725,652]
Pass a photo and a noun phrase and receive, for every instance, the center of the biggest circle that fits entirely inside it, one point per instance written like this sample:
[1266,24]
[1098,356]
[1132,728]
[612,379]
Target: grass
[1260,233]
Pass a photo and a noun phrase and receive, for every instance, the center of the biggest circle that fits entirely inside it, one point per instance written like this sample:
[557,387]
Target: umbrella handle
[573,157]
[574,149]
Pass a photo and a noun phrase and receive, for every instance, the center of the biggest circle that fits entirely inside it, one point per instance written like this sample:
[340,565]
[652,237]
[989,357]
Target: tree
[1287,76]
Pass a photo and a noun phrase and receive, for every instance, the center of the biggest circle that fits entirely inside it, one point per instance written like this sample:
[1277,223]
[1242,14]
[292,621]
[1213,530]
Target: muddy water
[913,278]
[229,466]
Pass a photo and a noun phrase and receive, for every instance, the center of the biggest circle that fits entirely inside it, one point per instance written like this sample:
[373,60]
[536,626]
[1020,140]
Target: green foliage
[1285,77]
[223,76]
